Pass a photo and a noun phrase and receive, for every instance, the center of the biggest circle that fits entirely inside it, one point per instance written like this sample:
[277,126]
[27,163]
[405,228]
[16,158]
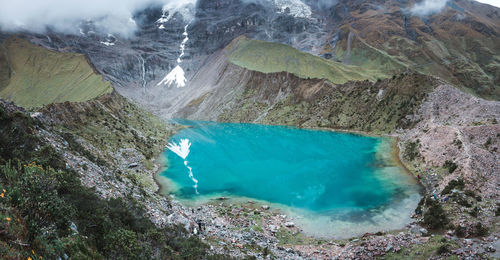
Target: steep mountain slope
[228,92]
[76,178]
[37,76]
[48,207]
[228,71]
[459,44]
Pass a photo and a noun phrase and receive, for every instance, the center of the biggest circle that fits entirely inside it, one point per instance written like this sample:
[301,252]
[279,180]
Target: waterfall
[347,58]
[143,66]
[183,43]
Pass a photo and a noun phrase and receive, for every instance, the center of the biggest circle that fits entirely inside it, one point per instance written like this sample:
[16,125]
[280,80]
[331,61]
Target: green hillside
[270,57]
[32,76]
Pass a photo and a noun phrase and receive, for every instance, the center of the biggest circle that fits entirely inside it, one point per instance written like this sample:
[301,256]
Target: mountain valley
[87,116]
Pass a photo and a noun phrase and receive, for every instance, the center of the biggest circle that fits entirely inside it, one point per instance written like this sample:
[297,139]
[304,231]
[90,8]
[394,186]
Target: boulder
[133,165]
[289,224]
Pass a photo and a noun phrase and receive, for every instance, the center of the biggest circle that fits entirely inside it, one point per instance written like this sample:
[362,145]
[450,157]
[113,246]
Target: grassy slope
[4,69]
[111,124]
[39,76]
[95,129]
[270,57]
[368,58]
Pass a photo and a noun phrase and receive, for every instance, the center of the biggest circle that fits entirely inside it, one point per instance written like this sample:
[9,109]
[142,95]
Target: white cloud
[490,2]
[113,16]
[427,7]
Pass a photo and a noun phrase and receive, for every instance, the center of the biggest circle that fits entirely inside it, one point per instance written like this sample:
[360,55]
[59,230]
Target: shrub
[451,166]
[463,202]
[474,212]
[3,114]
[453,184]
[480,230]
[124,243]
[460,231]
[434,216]
[411,150]
[488,142]
[443,249]
[473,195]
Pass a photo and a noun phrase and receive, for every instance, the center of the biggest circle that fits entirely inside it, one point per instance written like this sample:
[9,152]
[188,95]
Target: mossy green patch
[436,246]
[268,57]
[377,62]
[32,76]
[288,237]
[4,69]
[110,123]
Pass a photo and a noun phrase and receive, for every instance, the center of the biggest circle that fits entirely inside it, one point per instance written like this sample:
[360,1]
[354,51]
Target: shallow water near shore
[333,184]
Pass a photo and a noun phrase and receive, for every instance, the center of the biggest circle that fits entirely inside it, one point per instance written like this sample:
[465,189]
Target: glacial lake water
[332,184]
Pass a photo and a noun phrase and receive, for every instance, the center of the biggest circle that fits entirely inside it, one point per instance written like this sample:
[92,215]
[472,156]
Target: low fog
[113,16]
[428,7]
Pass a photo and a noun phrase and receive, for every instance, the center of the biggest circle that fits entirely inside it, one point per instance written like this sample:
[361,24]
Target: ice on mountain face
[108,43]
[184,7]
[296,8]
[110,40]
[131,21]
[176,76]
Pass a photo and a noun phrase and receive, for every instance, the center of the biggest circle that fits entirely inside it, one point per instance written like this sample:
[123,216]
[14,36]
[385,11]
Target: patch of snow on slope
[110,40]
[297,8]
[176,76]
[183,43]
[108,43]
[184,7]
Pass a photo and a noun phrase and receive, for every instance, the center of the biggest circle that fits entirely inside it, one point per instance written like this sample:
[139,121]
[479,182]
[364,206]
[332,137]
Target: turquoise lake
[330,182]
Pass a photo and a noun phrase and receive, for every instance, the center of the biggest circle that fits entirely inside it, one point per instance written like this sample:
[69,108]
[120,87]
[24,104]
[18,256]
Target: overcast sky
[64,15]
[491,2]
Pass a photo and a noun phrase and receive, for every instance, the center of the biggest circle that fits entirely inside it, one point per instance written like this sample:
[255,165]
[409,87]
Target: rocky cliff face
[458,44]
[377,35]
